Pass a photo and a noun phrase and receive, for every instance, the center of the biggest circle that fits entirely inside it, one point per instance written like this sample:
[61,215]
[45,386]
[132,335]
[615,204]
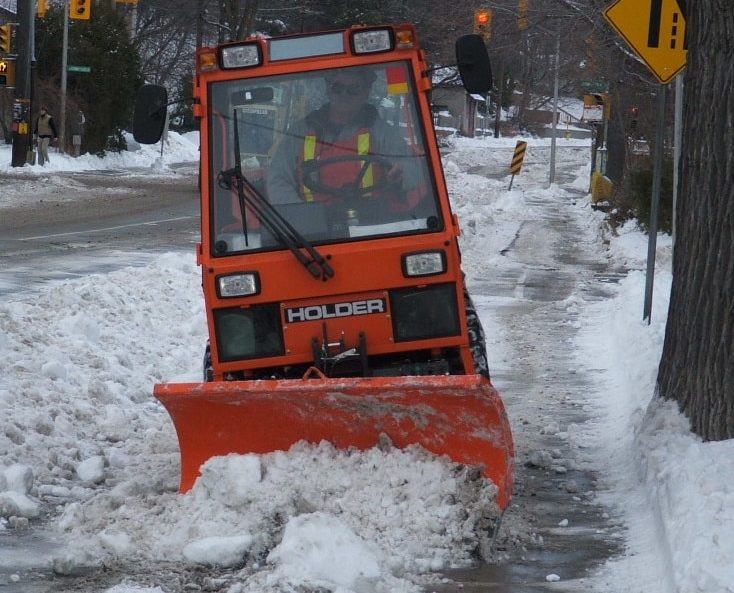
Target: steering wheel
[312,168]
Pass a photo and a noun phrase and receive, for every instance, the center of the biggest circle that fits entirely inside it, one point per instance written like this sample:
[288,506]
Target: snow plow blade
[461,417]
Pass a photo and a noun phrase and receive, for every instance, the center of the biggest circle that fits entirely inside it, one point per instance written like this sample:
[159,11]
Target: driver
[335,135]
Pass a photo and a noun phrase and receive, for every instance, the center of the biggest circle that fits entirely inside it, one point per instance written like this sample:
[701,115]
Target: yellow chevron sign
[518,157]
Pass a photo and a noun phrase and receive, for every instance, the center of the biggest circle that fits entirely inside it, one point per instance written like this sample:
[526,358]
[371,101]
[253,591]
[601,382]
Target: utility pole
[500,90]
[552,176]
[64,66]
[22,107]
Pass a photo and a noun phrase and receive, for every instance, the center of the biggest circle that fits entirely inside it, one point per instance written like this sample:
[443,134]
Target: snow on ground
[80,433]
[138,160]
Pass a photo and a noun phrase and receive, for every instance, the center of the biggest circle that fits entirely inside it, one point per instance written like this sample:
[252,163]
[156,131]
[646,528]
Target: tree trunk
[697,366]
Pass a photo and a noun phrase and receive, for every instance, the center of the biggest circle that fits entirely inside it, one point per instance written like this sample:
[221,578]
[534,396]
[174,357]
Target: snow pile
[698,519]
[15,484]
[176,148]
[83,357]
[412,512]
[647,439]
[417,512]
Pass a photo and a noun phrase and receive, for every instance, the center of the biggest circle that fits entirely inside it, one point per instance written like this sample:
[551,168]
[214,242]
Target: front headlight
[247,333]
[424,263]
[238,285]
[424,313]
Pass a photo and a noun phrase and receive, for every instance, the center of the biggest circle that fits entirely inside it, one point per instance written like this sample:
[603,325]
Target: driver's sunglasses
[339,88]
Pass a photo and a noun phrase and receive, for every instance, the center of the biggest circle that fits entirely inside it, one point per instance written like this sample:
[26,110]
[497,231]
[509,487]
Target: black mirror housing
[150,113]
[472,60]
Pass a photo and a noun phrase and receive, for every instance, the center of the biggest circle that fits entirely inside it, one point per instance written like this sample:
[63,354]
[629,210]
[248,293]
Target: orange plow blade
[461,417]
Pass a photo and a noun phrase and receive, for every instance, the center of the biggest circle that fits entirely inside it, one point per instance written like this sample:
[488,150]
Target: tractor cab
[339,154]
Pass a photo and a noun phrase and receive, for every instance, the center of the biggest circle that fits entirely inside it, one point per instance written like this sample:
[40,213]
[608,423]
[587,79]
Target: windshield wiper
[274,221]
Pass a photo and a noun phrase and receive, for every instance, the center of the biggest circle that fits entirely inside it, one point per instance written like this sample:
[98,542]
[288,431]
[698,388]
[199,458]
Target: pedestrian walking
[45,132]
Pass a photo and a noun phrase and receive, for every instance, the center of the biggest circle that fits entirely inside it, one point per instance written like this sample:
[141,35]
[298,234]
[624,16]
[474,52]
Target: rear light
[241,56]
[424,263]
[373,41]
[238,285]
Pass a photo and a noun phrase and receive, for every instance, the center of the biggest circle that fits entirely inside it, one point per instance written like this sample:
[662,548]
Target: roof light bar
[372,41]
[241,56]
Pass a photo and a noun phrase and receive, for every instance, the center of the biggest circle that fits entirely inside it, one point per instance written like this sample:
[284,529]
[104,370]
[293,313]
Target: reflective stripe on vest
[363,148]
[309,154]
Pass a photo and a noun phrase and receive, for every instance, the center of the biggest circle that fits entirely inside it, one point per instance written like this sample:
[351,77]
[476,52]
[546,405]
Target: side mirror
[473,63]
[150,113]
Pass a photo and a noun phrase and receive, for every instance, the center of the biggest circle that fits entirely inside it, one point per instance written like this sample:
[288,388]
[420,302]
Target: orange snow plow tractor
[331,269]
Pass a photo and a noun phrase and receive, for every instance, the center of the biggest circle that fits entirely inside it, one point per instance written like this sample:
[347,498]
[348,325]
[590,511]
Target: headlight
[369,42]
[425,263]
[237,285]
[423,313]
[241,56]
[247,333]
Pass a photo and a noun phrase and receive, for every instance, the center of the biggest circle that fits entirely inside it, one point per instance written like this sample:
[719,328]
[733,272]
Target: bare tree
[697,366]
[239,17]
[165,38]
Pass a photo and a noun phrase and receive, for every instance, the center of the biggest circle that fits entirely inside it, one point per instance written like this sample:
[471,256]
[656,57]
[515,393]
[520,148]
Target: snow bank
[177,148]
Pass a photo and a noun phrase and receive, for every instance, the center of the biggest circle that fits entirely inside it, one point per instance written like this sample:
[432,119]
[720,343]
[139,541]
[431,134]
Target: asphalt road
[115,219]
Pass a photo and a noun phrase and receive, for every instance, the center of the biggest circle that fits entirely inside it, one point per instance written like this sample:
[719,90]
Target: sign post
[655,203]
[656,31]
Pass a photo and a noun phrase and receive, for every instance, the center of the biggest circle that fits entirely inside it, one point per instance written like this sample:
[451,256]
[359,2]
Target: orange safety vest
[337,174]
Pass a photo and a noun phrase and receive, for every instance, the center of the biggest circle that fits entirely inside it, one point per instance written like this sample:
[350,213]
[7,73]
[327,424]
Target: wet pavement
[555,533]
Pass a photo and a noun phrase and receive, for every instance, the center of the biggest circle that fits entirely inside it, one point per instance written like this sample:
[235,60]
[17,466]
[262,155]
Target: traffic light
[41,8]
[7,73]
[483,22]
[80,10]
[6,33]
[634,111]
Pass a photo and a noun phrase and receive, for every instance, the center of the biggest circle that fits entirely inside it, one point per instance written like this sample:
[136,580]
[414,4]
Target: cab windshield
[339,154]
